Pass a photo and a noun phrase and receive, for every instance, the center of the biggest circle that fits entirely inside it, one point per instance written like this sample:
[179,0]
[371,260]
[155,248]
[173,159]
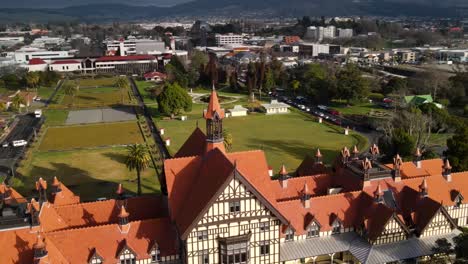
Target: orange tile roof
[104,212]
[78,245]
[213,107]
[318,185]
[195,145]
[428,168]
[325,209]
[64,197]
[17,245]
[11,195]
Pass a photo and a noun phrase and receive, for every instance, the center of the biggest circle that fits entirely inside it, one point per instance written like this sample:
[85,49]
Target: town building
[45,41]
[406,56]
[312,50]
[345,33]
[133,46]
[238,110]
[275,107]
[223,39]
[155,76]
[25,54]
[225,208]
[10,41]
[452,55]
[65,66]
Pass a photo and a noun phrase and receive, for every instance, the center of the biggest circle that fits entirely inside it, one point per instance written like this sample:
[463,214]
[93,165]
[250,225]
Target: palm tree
[228,140]
[17,101]
[123,85]
[71,88]
[32,79]
[138,158]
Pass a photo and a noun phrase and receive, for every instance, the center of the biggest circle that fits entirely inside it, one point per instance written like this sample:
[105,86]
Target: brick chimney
[423,188]
[397,162]
[41,187]
[305,197]
[283,178]
[124,224]
[120,192]
[318,157]
[355,153]
[40,252]
[417,158]
[447,171]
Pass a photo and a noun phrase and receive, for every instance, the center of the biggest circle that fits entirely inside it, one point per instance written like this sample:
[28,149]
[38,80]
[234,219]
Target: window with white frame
[336,227]
[127,257]
[313,230]
[202,235]
[155,254]
[289,234]
[234,207]
[264,226]
[264,248]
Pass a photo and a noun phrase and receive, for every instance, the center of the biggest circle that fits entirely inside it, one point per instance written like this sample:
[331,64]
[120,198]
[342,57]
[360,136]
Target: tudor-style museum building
[224,208]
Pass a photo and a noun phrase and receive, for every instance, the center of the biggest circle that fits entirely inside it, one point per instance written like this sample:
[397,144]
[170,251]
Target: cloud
[66,3]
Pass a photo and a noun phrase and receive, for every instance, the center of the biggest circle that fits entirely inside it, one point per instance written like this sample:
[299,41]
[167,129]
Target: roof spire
[283,177]
[123,220]
[213,107]
[39,248]
[423,187]
[283,171]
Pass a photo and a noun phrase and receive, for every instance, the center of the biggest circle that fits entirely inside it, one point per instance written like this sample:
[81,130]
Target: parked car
[334,112]
[19,143]
[5,144]
[322,107]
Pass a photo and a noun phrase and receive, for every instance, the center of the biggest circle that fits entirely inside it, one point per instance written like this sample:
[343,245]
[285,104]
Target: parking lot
[104,115]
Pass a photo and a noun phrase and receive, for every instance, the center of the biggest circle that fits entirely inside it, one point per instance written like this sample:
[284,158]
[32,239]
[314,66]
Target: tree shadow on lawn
[118,157]
[77,180]
[294,148]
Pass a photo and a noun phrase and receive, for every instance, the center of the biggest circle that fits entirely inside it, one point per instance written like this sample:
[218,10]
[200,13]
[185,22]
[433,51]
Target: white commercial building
[345,33]
[10,41]
[329,32]
[276,107]
[454,55]
[228,39]
[133,46]
[25,54]
[65,66]
[45,41]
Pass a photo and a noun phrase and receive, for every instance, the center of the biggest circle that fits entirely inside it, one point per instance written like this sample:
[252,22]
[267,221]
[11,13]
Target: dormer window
[289,234]
[313,230]
[96,258]
[336,226]
[127,257]
[458,201]
[155,254]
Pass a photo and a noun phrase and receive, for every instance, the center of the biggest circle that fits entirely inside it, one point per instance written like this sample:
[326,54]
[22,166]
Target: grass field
[143,87]
[89,173]
[55,117]
[88,136]
[286,139]
[91,98]
[45,92]
[90,82]
[359,109]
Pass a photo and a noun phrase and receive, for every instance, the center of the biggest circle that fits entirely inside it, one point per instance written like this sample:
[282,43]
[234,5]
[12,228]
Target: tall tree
[457,151]
[138,159]
[71,88]
[17,102]
[295,84]
[123,85]
[174,99]
[32,79]
[351,84]
[212,69]
[228,140]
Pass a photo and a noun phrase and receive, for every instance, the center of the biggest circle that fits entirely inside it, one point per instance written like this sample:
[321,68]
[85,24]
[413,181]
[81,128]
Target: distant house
[417,100]
[27,96]
[155,76]
[275,107]
[37,64]
[65,66]
[238,110]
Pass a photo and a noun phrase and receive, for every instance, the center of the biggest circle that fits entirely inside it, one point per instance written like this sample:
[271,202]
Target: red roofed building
[155,76]
[291,39]
[225,208]
[65,66]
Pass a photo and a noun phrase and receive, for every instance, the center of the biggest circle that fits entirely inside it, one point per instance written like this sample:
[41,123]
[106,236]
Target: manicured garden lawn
[90,98]
[45,92]
[89,173]
[358,109]
[286,139]
[90,82]
[55,117]
[88,136]
[143,87]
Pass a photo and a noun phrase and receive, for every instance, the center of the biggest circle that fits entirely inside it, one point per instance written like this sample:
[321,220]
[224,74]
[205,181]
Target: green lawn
[55,117]
[358,109]
[91,98]
[89,173]
[45,92]
[286,139]
[143,87]
[88,136]
[97,82]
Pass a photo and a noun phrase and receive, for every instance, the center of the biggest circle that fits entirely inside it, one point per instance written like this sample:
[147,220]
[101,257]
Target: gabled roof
[105,212]
[75,244]
[194,183]
[36,61]
[64,197]
[195,145]
[66,62]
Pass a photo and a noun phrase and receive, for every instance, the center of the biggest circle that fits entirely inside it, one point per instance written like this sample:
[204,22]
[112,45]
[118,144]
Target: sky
[65,3]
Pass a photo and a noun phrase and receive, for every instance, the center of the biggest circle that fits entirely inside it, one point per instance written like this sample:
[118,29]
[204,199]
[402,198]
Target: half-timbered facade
[225,208]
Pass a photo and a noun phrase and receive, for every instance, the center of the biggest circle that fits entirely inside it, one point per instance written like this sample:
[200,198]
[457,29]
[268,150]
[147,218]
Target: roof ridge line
[82,203]
[324,196]
[181,158]
[78,228]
